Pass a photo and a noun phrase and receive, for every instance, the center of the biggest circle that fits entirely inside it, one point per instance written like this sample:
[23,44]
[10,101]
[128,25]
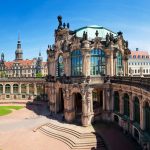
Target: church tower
[19,53]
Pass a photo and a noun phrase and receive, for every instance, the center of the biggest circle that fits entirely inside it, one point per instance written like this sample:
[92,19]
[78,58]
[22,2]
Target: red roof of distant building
[21,62]
[137,54]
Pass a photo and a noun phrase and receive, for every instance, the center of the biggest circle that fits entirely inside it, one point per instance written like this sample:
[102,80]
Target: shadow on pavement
[114,138]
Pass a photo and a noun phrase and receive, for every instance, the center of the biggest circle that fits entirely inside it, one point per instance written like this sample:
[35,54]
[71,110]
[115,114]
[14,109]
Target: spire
[40,58]
[39,54]
[19,52]
[19,42]
[2,57]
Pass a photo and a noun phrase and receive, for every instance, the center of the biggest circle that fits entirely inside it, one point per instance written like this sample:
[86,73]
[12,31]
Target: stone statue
[64,25]
[96,33]
[107,38]
[111,37]
[84,35]
[60,22]
[68,26]
[65,46]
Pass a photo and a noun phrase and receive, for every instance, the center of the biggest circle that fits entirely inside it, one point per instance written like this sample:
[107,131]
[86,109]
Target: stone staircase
[73,138]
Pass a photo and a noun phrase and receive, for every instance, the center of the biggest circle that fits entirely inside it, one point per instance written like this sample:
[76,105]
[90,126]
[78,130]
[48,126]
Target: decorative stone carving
[75,43]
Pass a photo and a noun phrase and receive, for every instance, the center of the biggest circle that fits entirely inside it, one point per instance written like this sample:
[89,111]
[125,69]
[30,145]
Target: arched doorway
[78,106]
[61,101]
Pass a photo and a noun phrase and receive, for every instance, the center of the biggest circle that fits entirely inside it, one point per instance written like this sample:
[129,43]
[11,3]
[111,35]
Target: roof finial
[96,33]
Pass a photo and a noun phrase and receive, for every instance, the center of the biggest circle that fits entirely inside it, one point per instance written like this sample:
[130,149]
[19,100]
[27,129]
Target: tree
[39,75]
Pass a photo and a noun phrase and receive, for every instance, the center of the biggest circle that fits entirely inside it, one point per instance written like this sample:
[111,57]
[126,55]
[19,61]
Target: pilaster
[35,89]
[121,103]
[142,116]
[87,108]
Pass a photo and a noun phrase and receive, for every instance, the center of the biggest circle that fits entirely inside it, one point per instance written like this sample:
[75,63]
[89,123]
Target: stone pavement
[17,132]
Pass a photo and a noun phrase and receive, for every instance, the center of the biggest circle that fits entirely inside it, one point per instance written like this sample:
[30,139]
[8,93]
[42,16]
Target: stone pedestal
[87,119]
[69,115]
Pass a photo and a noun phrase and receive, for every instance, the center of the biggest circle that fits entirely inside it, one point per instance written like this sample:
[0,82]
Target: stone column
[87,113]
[115,61]
[27,89]
[142,116]
[104,100]
[11,88]
[52,99]
[86,63]
[112,100]
[111,65]
[19,89]
[131,106]
[3,88]
[107,65]
[67,63]
[35,89]
[121,103]
[69,107]
[124,69]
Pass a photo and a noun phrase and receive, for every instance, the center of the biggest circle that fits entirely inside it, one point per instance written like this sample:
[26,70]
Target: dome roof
[91,30]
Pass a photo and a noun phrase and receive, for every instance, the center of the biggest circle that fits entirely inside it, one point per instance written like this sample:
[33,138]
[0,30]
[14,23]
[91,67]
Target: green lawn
[4,110]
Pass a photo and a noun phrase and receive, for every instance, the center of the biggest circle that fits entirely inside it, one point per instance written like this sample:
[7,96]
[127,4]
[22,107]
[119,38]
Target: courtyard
[17,131]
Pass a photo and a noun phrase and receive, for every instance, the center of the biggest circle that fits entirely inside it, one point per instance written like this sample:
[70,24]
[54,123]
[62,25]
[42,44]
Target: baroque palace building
[88,80]
[20,67]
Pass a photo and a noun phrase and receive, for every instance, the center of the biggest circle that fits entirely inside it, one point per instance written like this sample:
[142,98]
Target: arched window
[97,62]
[116,102]
[15,88]
[76,63]
[60,66]
[147,117]
[1,88]
[23,88]
[136,110]
[119,66]
[126,105]
[31,89]
[7,88]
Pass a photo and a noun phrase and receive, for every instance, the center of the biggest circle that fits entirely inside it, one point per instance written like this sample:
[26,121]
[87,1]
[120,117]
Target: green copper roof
[91,30]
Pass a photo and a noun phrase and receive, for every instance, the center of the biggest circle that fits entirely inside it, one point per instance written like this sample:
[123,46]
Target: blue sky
[37,19]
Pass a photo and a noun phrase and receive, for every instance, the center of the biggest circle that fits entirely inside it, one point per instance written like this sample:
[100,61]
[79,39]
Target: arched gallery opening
[97,96]
[61,101]
[77,98]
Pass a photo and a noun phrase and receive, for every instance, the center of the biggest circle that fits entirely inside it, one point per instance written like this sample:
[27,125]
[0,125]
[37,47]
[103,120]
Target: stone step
[73,132]
[70,135]
[58,137]
[71,144]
